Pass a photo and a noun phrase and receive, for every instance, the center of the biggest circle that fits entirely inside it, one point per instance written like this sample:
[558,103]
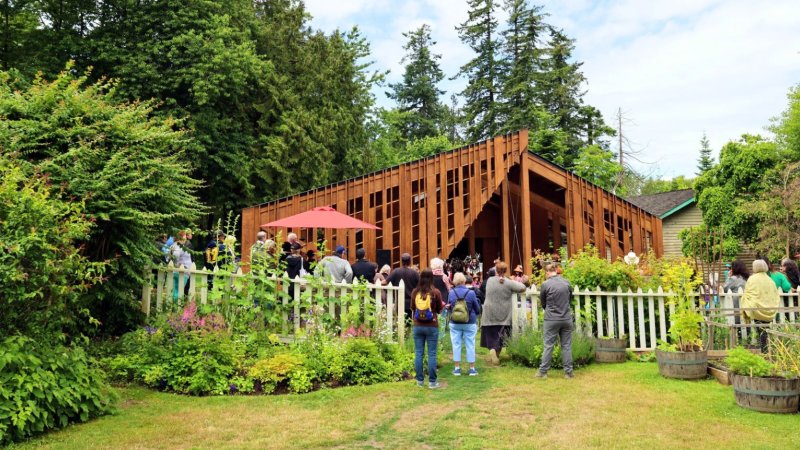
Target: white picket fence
[642,317]
[160,289]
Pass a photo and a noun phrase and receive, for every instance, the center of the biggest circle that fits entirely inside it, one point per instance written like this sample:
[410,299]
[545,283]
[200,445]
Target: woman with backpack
[464,308]
[426,304]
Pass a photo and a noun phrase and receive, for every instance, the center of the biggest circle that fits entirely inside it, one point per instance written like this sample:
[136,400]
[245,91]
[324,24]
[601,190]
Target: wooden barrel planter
[610,350]
[683,365]
[773,395]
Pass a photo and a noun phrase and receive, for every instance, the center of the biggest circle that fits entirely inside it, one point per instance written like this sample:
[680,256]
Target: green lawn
[621,406]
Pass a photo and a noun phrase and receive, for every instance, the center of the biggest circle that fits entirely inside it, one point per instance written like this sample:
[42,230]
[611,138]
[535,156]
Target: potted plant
[759,385]
[684,357]
[608,349]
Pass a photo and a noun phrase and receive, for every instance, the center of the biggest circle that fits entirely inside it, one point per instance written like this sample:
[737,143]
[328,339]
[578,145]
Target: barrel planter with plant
[610,350]
[758,385]
[684,358]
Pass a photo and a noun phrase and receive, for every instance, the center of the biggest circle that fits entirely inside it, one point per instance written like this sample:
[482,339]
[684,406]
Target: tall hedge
[127,167]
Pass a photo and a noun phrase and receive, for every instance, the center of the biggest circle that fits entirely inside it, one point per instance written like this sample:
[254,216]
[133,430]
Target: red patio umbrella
[321,217]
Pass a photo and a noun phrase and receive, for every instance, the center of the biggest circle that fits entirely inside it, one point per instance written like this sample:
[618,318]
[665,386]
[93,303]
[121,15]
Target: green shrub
[743,362]
[44,387]
[588,270]
[42,269]
[127,166]
[194,362]
[527,347]
[364,362]
[278,369]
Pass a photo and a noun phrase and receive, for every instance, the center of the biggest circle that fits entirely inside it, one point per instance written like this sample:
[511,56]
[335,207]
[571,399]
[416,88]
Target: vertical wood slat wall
[499,152]
[421,188]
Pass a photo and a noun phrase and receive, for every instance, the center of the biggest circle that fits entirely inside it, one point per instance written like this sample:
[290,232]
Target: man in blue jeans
[556,298]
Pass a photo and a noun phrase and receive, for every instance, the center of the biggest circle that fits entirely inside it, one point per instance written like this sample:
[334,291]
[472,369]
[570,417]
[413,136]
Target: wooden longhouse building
[495,198]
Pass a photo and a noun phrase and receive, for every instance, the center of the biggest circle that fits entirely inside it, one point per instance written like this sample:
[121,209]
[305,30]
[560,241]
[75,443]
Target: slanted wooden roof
[664,204]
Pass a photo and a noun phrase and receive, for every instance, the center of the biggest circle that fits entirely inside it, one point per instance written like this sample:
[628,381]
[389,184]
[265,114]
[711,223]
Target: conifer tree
[521,67]
[705,161]
[418,93]
[479,32]
[561,89]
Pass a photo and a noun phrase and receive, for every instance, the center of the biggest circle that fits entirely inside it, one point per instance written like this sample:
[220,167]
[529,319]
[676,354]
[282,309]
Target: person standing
[335,267]
[789,268]
[426,306]
[735,284]
[497,310]
[182,259]
[213,249]
[363,269]
[440,280]
[258,252]
[556,298]
[410,278]
[760,300]
[520,276]
[310,260]
[781,282]
[463,332]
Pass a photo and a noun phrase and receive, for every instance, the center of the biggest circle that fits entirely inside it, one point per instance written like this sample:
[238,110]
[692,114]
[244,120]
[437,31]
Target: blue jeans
[463,333]
[423,335]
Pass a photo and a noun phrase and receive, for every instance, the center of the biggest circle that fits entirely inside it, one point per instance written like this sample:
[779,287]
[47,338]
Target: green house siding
[689,216]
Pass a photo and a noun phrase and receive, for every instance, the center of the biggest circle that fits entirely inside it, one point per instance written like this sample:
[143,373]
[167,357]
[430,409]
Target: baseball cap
[340,249]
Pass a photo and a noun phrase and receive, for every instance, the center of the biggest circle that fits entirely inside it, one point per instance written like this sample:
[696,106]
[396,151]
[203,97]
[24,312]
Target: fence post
[620,312]
[642,333]
[599,312]
[401,316]
[297,286]
[578,316]
[631,322]
[192,281]
[147,289]
[160,279]
[171,282]
[514,314]
[534,307]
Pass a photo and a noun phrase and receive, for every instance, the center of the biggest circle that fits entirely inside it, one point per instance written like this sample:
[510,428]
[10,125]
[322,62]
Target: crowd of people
[454,291]
[760,298]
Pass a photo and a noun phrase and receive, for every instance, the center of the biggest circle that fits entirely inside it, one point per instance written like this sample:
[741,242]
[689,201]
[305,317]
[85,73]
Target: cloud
[676,68]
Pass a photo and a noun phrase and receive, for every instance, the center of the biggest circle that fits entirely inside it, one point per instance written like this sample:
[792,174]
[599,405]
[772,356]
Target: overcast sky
[677,68]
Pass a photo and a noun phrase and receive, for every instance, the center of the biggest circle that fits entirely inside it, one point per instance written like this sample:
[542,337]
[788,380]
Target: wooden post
[401,315]
[504,232]
[298,283]
[147,289]
[525,208]
[160,279]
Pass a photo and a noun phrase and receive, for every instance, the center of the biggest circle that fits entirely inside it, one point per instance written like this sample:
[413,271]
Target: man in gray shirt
[335,267]
[556,297]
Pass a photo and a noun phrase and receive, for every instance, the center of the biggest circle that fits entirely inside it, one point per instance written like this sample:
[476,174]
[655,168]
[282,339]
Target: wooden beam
[525,208]
[505,233]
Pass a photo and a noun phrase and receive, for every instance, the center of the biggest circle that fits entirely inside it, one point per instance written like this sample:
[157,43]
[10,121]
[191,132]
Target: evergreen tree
[479,32]
[591,127]
[705,161]
[521,67]
[561,90]
[418,93]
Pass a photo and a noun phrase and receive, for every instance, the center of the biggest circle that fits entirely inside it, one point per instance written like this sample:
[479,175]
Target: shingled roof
[664,203]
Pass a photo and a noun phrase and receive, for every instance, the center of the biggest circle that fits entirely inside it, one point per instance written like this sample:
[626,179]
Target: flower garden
[343,380]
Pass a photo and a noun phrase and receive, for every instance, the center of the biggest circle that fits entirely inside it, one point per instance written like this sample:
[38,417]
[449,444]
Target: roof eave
[677,208]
